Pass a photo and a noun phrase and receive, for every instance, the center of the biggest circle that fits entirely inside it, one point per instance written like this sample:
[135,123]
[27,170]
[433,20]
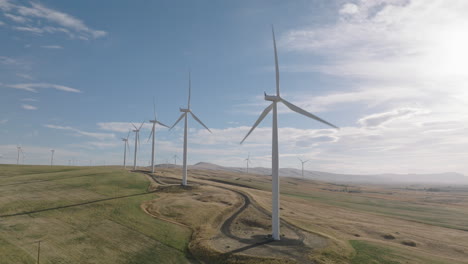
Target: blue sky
[390,73]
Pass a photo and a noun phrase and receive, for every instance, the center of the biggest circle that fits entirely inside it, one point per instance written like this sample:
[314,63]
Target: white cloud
[5,5]
[25,76]
[18,19]
[29,100]
[100,136]
[403,64]
[349,9]
[123,127]
[3,121]
[30,29]
[2,23]
[378,119]
[46,20]
[32,87]
[391,39]
[28,107]
[52,47]
[100,144]
[8,61]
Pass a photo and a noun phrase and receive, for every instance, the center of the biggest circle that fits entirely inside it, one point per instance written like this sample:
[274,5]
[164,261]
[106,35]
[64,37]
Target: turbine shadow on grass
[254,245]
[75,205]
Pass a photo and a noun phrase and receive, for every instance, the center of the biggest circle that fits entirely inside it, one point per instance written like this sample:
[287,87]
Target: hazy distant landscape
[386,178]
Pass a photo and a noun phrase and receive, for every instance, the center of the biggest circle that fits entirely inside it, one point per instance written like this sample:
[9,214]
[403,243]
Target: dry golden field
[109,215]
[345,224]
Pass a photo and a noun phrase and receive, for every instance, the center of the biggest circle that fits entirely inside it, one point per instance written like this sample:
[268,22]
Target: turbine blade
[299,159]
[162,124]
[276,62]
[154,109]
[304,112]
[152,131]
[141,125]
[128,134]
[178,120]
[189,90]
[134,126]
[262,116]
[199,121]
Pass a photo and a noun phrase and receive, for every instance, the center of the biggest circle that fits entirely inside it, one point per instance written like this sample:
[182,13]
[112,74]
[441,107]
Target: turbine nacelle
[272,98]
[153,121]
[184,110]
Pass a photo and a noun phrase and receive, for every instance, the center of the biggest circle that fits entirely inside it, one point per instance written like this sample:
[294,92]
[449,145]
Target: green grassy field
[82,215]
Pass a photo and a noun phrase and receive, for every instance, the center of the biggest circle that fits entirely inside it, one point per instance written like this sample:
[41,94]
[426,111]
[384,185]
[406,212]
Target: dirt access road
[247,231]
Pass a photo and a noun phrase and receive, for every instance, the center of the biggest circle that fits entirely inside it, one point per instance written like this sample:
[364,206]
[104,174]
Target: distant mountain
[387,178]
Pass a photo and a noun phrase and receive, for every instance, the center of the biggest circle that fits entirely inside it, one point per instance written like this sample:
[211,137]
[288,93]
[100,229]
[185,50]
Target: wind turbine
[175,159]
[153,132]
[52,157]
[185,112]
[125,140]
[20,150]
[247,160]
[275,99]
[303,162]
[137,142]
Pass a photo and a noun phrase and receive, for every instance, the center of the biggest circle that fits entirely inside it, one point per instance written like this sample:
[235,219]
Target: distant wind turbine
[247,161]
[303,162]
[20,150]
[175,159]
[185,112]
[275,99]
[153,133]
[137,142]
[52,157]
[126,148]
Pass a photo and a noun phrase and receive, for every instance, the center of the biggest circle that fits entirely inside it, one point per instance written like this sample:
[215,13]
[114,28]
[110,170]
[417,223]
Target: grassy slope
[364,251]
[439,216]
[112,231]
[367,252]
[453,217]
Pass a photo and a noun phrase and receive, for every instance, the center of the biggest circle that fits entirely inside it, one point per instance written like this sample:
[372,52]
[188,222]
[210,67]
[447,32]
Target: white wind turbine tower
[247,160]
[275,99]
[137,142]
[20,150]
[52,157]
[185,112]
[153,133]
[126,148]
[303,162]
